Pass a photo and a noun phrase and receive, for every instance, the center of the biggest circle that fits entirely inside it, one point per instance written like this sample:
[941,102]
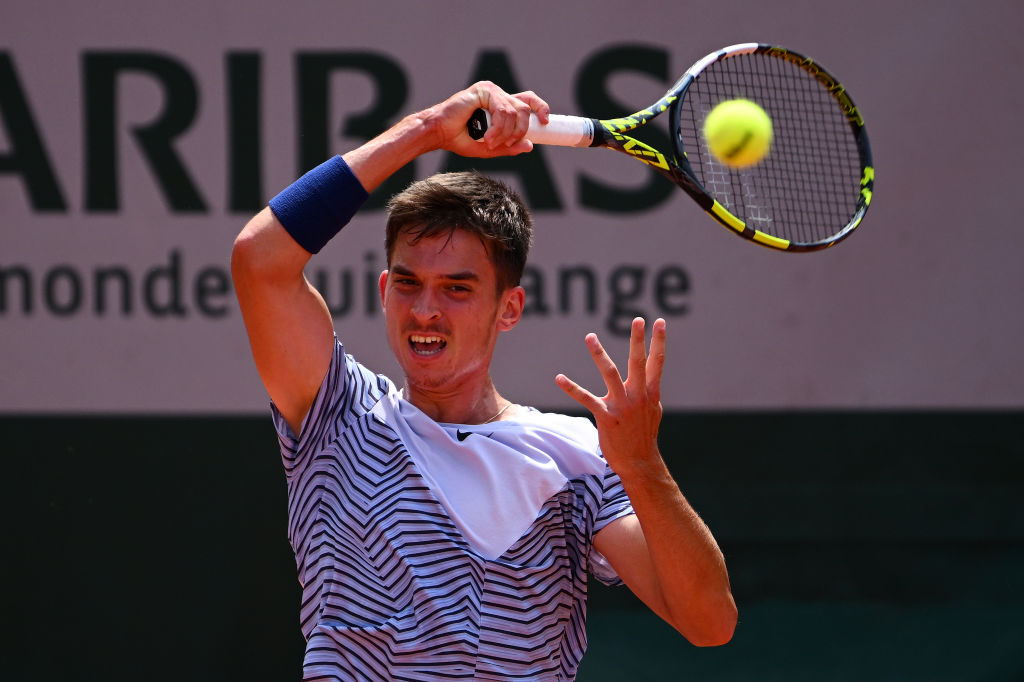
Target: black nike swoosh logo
[462,435]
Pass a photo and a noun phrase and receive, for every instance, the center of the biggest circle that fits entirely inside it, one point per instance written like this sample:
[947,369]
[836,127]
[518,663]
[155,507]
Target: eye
[460,290]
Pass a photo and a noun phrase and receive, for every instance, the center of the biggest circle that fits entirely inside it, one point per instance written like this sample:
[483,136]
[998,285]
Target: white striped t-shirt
[404,574]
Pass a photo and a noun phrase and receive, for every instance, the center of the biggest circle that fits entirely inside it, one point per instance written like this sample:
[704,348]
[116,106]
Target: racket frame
[576,131]
[723,215]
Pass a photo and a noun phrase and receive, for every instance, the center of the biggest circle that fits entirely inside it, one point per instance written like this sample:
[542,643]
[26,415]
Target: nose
[425,307]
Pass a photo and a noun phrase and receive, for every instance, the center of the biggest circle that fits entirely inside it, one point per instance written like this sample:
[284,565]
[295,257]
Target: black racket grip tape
[476,126]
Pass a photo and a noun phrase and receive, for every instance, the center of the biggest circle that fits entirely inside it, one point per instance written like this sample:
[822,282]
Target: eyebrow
[463,276]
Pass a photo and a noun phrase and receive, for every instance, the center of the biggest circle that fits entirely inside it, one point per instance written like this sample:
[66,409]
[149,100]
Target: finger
[507,130]
[536,104]
[637,355]
[481,91]
[498,129]
[521,125]
[477,149]
[579,394]
[516,111]
[500,105]
[510,129]
[520,147]
[605,365]
[656,359]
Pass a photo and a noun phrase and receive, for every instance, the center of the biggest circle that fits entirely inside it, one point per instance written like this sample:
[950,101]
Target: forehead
[454,251]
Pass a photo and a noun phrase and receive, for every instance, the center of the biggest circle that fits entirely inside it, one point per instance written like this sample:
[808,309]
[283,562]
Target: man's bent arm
[665,553]
[290,329]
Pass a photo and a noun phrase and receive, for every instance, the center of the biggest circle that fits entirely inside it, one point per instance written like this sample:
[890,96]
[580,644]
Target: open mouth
[422,344]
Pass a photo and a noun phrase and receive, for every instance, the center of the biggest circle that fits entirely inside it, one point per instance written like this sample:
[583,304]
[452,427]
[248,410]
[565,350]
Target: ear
[511,311]
[382,284]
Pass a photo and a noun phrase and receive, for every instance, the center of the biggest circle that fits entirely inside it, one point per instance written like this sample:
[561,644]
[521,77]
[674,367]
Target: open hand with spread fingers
[629,414]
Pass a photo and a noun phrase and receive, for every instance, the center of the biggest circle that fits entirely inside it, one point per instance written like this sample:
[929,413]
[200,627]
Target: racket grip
[563,131]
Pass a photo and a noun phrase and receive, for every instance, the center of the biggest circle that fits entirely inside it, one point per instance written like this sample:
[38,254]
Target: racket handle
[563,131]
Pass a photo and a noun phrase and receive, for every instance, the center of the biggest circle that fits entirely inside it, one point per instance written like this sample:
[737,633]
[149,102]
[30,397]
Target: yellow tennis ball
[739,132]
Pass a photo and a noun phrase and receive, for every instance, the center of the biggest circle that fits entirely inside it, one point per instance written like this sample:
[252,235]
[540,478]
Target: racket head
[813,188]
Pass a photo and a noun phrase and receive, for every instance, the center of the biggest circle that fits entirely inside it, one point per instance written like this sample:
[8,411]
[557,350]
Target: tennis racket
[811,190]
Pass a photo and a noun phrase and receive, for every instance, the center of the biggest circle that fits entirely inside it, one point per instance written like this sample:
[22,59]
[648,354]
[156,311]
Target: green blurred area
[861,546]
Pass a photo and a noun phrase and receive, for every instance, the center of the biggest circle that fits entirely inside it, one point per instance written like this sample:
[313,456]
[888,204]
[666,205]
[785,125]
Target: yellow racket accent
[866,183]
[769,240]
[640,151]
[726,218]
[617,125]
[729,220]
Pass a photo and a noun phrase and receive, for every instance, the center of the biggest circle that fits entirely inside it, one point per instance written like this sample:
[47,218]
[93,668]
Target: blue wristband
[315,207]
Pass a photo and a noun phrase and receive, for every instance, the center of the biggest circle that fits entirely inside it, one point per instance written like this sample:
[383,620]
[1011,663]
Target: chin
[415,376]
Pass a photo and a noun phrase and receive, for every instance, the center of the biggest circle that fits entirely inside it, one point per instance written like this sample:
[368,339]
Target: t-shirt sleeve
[614,505]
[348,391]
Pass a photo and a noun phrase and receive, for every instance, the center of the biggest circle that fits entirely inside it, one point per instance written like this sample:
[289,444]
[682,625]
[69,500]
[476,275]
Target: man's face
[443,311]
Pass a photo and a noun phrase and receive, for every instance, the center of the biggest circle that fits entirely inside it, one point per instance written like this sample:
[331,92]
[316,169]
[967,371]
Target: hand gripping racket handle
[564,131]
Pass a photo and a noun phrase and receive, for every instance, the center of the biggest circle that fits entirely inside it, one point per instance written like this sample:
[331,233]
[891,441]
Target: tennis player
[440,530]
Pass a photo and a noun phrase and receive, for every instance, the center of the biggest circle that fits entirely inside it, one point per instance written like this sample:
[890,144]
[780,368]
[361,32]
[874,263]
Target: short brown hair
[466,201]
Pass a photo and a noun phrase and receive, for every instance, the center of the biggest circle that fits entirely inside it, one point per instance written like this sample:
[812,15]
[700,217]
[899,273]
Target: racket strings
[807,189]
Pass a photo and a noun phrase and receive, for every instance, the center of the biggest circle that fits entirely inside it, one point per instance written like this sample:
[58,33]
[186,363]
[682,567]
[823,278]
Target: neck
[459,407]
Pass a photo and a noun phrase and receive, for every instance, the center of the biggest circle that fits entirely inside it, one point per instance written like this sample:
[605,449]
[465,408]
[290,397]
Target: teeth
[416,338]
